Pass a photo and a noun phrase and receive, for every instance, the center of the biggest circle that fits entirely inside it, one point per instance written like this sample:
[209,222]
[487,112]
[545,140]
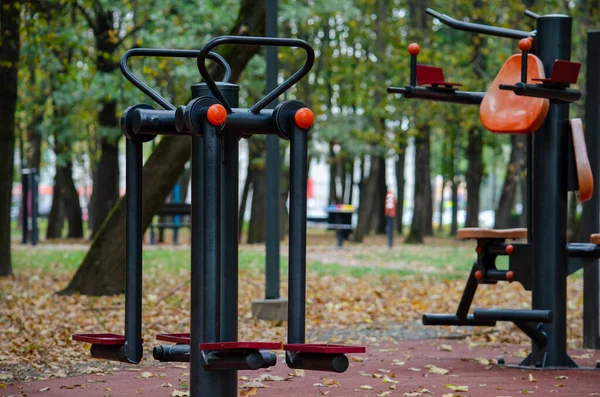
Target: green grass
[168,259]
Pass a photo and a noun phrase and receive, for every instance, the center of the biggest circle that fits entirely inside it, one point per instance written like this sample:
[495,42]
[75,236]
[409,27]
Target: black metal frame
[544,262]
[211,348]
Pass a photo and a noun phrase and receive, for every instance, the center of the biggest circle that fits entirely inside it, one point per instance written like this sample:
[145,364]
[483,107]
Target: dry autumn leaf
[436,370]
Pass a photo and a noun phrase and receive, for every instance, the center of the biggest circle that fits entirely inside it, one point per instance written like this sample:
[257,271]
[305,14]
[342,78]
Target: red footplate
[323,348]
[100,339]
[181,338]
[241,346]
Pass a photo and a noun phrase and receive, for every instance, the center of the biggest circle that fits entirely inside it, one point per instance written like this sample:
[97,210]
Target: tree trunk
[56,217]
[333,199]
[380,198]
[257,232]
[474,175]
[351,188]
[243,202]
[9,65]
[105,193]
[422,190]
[102,271]
[72,205]
[454,223]
[400,181]
[429,196]
[367,190]
[514,174]
[441,208]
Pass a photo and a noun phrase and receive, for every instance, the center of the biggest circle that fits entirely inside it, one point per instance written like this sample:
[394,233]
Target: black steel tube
[539,91]
[172,353]
[232,360]
[242,122]
[229,243]
[479,28]
[413,70]
[35,194]
[524,56]
[197,248]
[109,352]
[430,94]
[317,361]
[272,169]
[495,275]
[212,234]
[297,234]
[468,294]
[550,216]
[261,41]
[155,122]
[25,205]
[133,255]
[453,319]
[538,316]
[591,208]
[531,14]
[155,52]
[533,331]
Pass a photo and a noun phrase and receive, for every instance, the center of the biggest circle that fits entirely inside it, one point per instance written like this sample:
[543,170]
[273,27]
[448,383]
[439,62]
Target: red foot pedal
[181,338]
[100,339]
[323,348]
[241,346]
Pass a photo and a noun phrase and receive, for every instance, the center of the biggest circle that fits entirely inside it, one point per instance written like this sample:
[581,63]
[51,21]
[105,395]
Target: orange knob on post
[304,118]
[479,275]
[525,44]
[510,276]
[216,114]
[479,250]
[509,249]
[414,49]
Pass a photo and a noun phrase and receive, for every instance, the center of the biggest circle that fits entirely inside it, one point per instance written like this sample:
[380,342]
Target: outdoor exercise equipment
[521,99]
[216,124]
[29,205]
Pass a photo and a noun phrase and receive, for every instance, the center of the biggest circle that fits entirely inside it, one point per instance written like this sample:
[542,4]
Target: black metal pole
[297,243]
[211,263]
[133,255]
[591,208]
[550,215]
[229,239]
[35,194]
[272,168]
[25,205]
[197,247]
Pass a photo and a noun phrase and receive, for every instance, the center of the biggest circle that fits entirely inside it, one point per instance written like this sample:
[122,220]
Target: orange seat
[585,177]
[477,233]
[505,112]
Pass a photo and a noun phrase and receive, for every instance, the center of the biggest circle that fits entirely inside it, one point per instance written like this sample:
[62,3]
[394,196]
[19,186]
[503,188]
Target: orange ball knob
[304,118]
[525,44]
[479,275]
[509,249]
[414,49]
[216,114]
[510,276]
[479,250]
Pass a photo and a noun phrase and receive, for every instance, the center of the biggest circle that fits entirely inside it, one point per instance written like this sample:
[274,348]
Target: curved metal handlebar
[260,41]
[155,52]
[479,28]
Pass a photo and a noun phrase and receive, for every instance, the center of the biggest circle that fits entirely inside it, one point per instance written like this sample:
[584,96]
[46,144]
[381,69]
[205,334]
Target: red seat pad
[505,112]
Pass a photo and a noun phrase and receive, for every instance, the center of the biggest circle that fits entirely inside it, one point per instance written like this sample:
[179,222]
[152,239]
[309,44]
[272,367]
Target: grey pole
[272,168]
[591,210]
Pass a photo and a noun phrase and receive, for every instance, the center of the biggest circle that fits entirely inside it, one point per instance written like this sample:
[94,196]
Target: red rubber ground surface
[382,360]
